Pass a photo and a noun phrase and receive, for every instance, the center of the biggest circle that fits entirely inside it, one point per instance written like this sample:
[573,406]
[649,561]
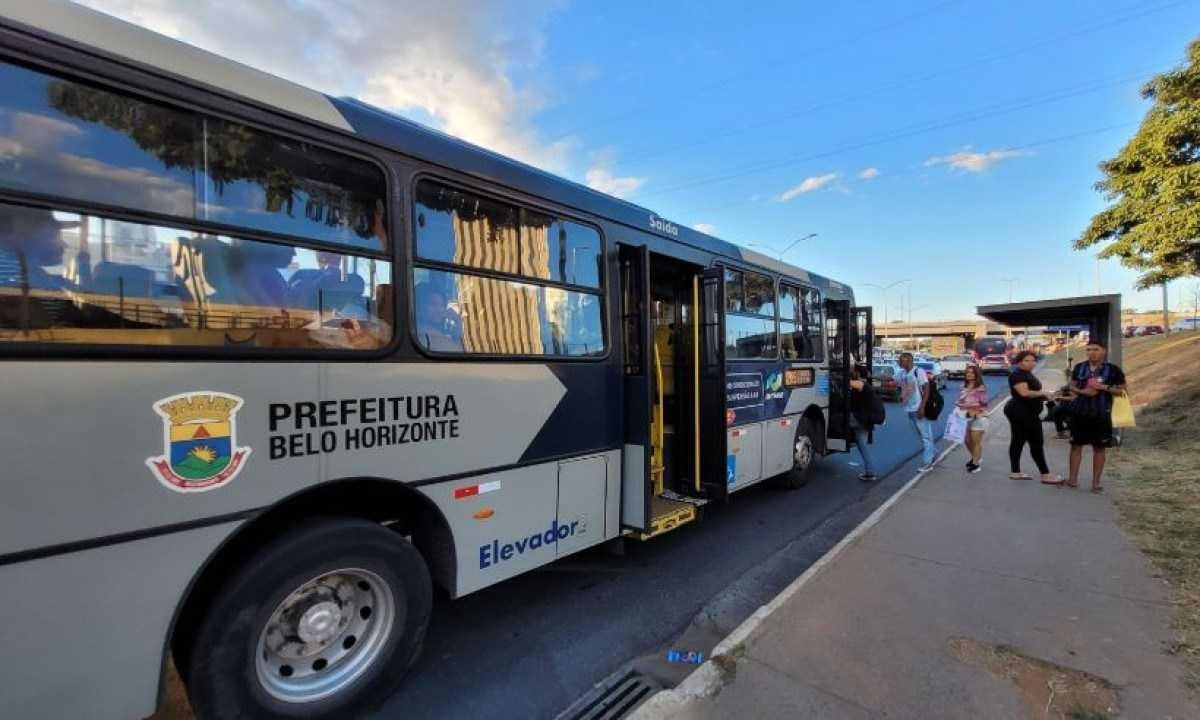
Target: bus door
[838,351]
[636,479]
[714,465]
[863,342]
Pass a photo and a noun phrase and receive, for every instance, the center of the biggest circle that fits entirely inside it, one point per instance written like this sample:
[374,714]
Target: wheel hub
[803,453]
[320,623]
[324,635]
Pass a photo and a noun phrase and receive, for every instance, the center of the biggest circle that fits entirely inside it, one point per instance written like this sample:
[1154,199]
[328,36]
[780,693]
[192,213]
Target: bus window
[79,279]
[459,312]
[465,229]
[750,316]
[559,250]
[539,311]
[74,140]
[799,323]
[258,180]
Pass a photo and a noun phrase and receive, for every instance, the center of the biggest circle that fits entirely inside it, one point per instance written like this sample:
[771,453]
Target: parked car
[956,366]
[995,364]
[885,383]
[1128,331]
[1192,323]
[1152,330]
[934,371]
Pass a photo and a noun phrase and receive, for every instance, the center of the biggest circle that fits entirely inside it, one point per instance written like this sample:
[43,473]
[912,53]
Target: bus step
[667,514]
[694,501]
[613,698]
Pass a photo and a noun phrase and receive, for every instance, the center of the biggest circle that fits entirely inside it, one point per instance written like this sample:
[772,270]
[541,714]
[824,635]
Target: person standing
[865,409]
[1024,413]
[914,394]
[973,400]
[1093,385]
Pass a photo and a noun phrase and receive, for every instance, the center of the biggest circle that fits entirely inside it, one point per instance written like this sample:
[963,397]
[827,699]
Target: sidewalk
[972,596]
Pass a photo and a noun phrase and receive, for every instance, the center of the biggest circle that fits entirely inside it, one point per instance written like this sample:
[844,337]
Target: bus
[277,365]
[989,346]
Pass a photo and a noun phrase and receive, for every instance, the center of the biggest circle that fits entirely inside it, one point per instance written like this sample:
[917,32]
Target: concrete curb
[708,679]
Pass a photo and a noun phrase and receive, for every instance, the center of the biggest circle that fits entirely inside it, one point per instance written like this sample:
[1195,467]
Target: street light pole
[884,289]
[1010,282]
[796,242]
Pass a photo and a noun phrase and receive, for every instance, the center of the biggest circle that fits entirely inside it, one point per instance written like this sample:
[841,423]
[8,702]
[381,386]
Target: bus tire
[804,455]
[324,621]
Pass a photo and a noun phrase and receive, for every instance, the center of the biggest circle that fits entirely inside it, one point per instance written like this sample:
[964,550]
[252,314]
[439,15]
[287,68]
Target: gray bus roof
[124,40]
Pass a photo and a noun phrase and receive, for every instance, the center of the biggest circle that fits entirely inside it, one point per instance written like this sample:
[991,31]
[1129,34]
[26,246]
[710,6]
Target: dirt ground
[1049,691]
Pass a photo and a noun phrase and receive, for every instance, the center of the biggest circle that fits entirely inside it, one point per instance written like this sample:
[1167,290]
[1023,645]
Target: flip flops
[1019,476]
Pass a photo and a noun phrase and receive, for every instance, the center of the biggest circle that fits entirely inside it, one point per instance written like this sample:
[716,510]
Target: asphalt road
[531,646]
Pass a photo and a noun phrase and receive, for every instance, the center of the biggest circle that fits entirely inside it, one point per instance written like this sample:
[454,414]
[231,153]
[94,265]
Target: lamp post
[884,289]
[796,242]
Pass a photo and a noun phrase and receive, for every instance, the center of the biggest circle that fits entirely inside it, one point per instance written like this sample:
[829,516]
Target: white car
[1192,323]
[956,366]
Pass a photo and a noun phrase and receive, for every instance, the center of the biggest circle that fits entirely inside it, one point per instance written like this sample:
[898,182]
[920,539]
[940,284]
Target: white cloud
[868,173]
[450,62]
[975,162]
[809,184]
[706,228]
[601,178]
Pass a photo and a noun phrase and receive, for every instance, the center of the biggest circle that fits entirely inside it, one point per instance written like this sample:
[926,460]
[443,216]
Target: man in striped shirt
[1093,385]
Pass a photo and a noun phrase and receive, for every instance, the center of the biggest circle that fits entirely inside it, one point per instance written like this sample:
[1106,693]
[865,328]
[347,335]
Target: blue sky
[953,143]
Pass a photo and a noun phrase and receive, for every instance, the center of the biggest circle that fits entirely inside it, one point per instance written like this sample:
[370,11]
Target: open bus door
[863,342]
[838,351]
[636,479]
[714,477]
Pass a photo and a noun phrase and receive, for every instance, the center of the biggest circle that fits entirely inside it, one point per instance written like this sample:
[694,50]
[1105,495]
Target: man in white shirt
[914,393]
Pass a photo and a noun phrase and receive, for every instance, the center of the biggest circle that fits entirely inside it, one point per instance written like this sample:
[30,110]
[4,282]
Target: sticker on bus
[200,449]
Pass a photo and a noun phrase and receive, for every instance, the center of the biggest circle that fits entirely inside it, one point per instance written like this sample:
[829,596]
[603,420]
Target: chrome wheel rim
[802,453]
[324,635]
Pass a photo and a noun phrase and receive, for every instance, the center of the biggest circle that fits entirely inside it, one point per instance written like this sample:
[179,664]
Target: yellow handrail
[696,381]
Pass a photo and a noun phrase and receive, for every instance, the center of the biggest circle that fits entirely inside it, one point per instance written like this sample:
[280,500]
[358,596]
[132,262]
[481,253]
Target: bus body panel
[81,456]
[93,624]
[509,522]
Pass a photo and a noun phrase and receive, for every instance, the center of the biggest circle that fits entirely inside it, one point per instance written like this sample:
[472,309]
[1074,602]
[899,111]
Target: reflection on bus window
[733,291]
[67,278]
[760,295]
[74,140]
[458,312]
[748,337]
[465,229]
[559,250]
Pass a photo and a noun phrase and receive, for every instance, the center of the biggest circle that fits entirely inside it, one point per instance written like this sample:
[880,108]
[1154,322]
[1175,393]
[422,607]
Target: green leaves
[1154,183]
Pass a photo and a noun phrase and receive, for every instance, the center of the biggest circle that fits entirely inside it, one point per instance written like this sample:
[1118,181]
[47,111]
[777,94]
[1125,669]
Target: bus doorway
[665,381]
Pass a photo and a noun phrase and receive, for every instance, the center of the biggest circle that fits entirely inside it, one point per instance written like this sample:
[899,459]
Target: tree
[1154,224]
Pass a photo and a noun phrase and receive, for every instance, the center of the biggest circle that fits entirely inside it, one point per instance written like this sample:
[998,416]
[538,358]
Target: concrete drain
[614,698]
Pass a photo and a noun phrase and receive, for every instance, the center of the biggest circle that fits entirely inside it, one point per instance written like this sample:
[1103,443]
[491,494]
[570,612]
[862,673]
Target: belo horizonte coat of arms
[200,449]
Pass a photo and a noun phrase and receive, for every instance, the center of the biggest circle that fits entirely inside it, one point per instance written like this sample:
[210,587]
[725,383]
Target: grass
[1159,468]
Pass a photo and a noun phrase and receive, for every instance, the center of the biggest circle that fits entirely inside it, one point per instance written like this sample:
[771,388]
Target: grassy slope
[1159,466]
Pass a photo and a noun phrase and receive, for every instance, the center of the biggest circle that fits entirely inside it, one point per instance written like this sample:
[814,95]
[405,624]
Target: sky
[946,148]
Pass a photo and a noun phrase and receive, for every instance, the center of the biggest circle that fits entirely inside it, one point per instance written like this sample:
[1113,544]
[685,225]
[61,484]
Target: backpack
[933,407]
[878,412]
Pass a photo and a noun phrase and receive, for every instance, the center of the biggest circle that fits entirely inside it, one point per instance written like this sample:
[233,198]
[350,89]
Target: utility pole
[1010,282]
[1166,311]
[1098,274]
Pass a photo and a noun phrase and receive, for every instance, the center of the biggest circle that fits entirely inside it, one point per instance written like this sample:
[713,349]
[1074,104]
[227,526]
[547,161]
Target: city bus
[276,365]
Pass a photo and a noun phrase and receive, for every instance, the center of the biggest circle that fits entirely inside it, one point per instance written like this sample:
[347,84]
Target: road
[531,646]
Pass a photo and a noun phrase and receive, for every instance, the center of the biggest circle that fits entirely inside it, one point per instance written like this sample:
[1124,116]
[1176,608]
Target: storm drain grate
[614,698]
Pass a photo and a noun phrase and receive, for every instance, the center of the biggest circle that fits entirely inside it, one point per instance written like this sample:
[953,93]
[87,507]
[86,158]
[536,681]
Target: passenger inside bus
[29,243]
[328,286]
[438,326]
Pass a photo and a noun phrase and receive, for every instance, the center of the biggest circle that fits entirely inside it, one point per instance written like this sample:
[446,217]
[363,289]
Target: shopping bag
[1122,412]
[956,426]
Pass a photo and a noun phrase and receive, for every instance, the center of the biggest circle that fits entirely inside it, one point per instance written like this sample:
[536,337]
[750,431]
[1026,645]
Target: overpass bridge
[967,329]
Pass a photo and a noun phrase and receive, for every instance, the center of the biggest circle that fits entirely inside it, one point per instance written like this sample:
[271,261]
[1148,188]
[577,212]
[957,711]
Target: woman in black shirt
[1024,412]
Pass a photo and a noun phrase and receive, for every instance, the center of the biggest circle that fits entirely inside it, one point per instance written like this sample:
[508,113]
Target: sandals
[1052,480]
[1019,476]
[1072,485]
[1097,489]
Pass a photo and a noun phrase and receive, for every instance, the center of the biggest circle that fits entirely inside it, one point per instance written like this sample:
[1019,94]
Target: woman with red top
[973,401]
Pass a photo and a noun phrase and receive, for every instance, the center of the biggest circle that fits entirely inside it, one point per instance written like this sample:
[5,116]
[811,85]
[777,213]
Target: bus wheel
[804,453]
[323,621]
